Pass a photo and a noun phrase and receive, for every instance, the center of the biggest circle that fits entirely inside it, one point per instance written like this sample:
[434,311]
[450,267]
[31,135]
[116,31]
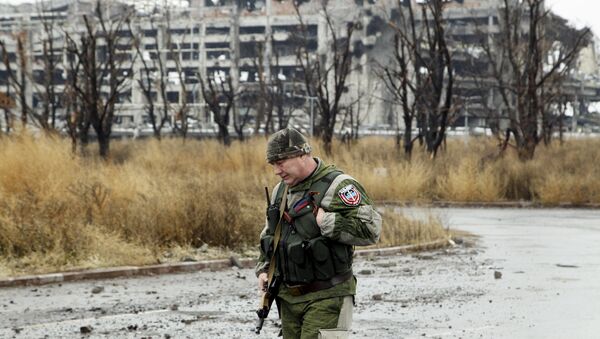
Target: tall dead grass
[466,171]
[59,211]
[400,229]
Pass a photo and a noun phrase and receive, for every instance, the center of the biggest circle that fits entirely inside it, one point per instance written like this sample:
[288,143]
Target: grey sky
[579,12]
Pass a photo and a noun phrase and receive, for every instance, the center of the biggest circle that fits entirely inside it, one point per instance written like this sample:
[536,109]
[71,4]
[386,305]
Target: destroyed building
[253,45]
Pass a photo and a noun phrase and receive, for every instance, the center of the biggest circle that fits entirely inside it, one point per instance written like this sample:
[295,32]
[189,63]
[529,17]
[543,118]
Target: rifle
[274,214]
[265,304]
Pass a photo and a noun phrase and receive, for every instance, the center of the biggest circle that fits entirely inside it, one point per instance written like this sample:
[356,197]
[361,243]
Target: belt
[318,285]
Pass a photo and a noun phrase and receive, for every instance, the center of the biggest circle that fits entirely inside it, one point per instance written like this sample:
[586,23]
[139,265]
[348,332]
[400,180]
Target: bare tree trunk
[18,78]
[325,76]
[420,76]
[213,94]
[104,145]
[23,79]
[529,69]
[98,108]
[6,109]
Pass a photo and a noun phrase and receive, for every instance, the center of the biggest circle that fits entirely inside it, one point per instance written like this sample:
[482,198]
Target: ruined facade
[213,38]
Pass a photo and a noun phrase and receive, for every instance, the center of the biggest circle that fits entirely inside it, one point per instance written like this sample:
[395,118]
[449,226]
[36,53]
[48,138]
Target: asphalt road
[549,262]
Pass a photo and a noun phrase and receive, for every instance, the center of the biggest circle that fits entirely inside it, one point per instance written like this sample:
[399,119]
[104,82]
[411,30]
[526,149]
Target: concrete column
[575,104]
[234,71]
[268,43]
[28,50]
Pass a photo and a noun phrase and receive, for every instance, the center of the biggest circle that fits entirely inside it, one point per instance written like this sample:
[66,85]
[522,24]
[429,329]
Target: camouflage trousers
[329,318]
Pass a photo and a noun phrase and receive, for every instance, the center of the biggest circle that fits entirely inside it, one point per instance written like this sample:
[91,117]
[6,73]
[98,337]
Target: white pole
[312,123]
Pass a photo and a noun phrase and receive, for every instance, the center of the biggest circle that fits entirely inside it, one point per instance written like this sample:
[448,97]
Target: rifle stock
[266,301]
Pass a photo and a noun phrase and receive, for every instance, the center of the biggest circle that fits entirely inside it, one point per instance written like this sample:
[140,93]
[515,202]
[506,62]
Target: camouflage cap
[286,143]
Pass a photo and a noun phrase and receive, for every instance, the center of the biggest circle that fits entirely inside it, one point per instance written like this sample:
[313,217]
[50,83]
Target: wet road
[549,261]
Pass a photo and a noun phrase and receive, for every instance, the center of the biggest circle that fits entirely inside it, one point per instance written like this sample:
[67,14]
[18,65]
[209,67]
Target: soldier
[327,213]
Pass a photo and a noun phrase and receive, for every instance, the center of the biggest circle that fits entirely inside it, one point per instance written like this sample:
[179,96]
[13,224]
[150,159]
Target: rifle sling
[277,236]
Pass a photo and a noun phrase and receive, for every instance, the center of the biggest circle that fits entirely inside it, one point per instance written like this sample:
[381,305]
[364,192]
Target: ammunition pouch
[316,259]
[306,257]
[266,245]
[300,267]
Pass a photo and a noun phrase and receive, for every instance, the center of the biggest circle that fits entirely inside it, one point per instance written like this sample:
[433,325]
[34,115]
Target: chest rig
[304,256]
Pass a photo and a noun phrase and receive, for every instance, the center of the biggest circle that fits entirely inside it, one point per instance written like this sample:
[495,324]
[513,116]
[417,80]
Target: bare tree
[78,122]
[421,76]
[240,121]
[181,110]
[559,40]
[51,60]
[264,104]
[151,78]
[527,65]
[18,78]
[272,98]
[278,101]
[6,104]
[325,75]
[403,87]
[218,92]
[354,117]
[100,52]
[156,76]
[25,81]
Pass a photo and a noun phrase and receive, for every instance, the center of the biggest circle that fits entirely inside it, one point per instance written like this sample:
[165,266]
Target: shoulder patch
[350,195]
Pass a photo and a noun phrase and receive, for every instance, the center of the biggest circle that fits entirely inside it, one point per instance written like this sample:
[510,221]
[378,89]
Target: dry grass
[60,212]
[399,229]
[465,172]
[572,173]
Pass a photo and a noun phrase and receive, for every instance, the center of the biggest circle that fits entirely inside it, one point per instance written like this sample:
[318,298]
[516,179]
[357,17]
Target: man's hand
[319,217]
[263,280]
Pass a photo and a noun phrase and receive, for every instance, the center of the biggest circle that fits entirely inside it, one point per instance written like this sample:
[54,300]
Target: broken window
[173,97]
[150,33]
[248,49]
[218,55]
[210,45]
[252,30]
[217,30]
[375,25]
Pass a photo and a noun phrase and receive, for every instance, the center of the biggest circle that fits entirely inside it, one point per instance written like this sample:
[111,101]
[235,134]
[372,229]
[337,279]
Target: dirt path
[549,262]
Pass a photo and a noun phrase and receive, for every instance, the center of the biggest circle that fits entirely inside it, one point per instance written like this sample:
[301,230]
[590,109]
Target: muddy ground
[529,275]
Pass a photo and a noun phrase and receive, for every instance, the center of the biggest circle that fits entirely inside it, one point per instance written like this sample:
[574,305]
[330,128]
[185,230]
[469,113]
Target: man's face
[291,170]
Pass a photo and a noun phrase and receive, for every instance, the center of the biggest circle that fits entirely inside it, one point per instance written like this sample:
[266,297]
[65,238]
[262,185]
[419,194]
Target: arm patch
[350,195]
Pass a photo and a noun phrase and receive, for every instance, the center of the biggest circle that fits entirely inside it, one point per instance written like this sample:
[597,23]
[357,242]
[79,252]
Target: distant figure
[309,249]
[346,137]
[136,132]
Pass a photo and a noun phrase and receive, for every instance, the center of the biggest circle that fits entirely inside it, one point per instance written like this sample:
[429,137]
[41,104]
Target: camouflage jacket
[349,218]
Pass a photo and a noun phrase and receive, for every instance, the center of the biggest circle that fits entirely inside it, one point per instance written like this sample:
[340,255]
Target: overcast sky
[579,12]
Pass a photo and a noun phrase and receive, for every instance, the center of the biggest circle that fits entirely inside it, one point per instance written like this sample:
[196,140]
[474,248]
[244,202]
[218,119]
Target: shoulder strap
[277,235]
[279,193]
[322,185]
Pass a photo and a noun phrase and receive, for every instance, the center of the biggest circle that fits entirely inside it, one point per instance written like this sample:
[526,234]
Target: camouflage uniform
[349,220]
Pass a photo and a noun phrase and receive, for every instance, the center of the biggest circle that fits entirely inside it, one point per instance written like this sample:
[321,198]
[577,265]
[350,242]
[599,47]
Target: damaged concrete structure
[220,38]
[207,39]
